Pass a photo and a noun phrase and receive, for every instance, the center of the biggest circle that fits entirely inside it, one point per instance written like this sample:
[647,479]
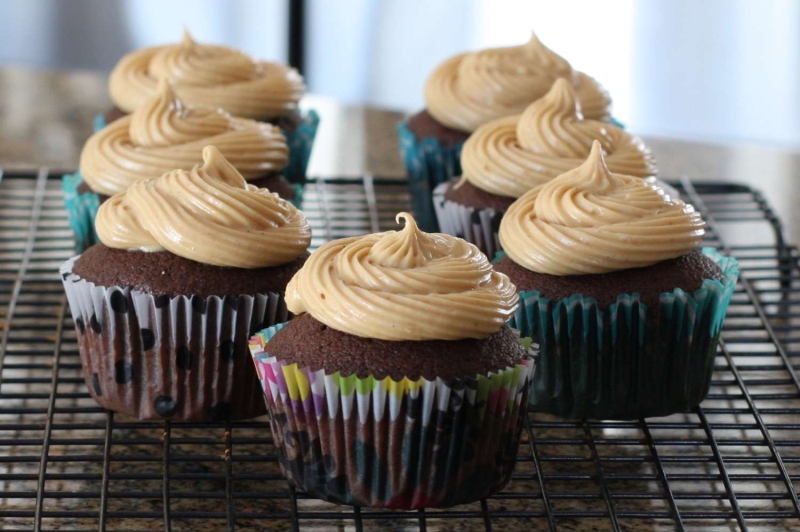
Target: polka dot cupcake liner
[407,444]
[179,358]
[477,226]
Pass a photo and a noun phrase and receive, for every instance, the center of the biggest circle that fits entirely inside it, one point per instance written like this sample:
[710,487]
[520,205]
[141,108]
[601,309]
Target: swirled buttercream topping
[589,221]
[471,89]
[512,155]
[208,214]
[403,285]
[216,76]
[164,134]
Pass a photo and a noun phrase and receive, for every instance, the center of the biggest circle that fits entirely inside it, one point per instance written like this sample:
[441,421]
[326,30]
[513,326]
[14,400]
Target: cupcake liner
[477,226]
[428,164]
[180,358]
[396,444]
[626,361]
[82,209]
[300,142]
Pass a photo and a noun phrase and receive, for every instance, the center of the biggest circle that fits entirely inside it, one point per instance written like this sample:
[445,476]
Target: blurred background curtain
[718,70]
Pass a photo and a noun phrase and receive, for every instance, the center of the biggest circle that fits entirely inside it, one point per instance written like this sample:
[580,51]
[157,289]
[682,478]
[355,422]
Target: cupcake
[471,89]
[507,157]
[164,134]
[220,77]
[625,308]
[398,384]
[190,265]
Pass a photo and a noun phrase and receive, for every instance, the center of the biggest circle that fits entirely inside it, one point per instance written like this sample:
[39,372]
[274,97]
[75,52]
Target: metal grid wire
[66,464]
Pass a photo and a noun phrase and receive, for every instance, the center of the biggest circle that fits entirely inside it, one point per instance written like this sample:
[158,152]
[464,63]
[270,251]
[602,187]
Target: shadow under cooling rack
[66,464]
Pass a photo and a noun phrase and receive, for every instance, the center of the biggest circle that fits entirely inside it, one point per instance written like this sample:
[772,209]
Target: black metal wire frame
[734,462]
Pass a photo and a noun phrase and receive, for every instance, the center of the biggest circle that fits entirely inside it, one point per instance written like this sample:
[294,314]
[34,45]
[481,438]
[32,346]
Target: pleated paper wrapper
[476,226]
[178,358]
[428,164]
[626,361]
[395,444]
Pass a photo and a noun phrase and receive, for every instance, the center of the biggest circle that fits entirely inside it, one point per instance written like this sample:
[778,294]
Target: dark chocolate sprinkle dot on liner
[96,384]
[81,327]
[220,411]
[95,325]
[165,406]
[226,349]
[162,301]
[65,275]
[231,302]
[183,358]
[199,304]
[496,219]
[148,339]
[118,302]
[123,372]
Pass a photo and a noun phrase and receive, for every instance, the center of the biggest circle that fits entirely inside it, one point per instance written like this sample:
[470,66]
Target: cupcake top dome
[591,221]
[217,76]
[511,155]
[208,214]
[473,88]
[164,134]
[403,285]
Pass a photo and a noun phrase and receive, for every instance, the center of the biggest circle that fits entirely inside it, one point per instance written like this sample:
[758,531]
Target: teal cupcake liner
[300,142]
[82,209]
[428,164]
[626,361]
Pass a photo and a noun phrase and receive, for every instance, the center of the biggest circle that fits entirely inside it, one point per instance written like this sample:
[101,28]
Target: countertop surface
[46,116]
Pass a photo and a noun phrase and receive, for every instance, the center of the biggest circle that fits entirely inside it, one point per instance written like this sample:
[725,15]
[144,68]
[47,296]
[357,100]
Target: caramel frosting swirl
[164,134]
[216,76]
[403,285]
[471,89]
[208,214]
[589,221]
[512,155]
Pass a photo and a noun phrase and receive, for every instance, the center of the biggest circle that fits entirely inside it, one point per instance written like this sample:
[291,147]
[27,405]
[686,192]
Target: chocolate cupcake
[471,89]
[164,134]
[219,77]
[190,265]
[505,158]
[625,308]
[398,385]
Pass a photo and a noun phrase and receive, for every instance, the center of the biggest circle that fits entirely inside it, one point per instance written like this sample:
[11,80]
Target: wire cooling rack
[66,464]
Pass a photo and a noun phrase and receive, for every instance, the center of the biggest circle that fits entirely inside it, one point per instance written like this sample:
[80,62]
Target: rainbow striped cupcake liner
[626,361]
[405,444]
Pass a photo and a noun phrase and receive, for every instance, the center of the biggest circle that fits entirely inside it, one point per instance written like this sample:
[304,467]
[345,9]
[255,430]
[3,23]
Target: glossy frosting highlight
[164,134]
[590,221]
[403,285]
[216,76]
[208,214]
[512,155]
[471,89]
